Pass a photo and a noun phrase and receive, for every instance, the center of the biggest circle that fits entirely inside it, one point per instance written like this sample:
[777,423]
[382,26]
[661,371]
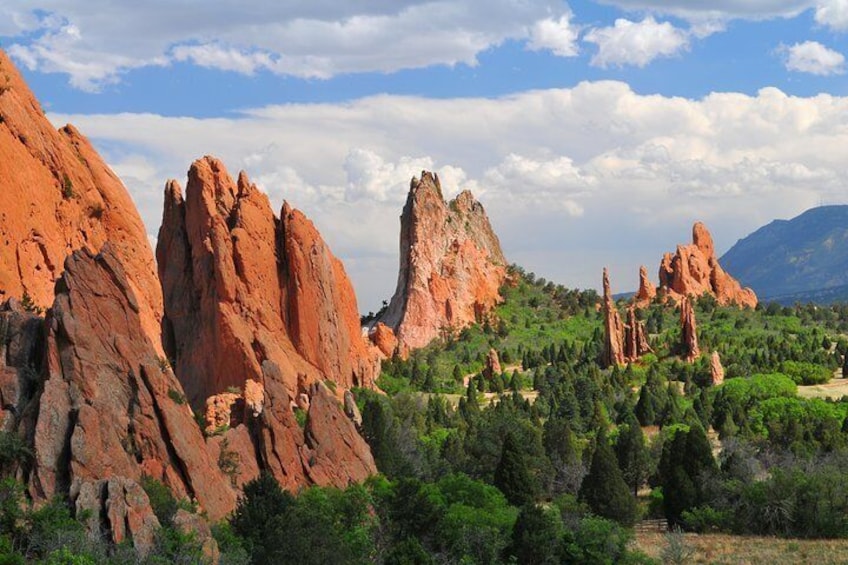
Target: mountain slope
[806,253]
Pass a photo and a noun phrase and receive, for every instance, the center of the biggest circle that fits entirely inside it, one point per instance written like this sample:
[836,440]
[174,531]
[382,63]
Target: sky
[595,133]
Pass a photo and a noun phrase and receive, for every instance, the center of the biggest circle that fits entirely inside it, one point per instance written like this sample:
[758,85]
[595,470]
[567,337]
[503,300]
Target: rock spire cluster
[693,270]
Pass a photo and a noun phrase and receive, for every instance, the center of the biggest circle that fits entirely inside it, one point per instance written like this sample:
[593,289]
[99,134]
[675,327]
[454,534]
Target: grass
[723,548]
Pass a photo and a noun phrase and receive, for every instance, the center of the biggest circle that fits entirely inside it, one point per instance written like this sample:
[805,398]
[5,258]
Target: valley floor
[722,548]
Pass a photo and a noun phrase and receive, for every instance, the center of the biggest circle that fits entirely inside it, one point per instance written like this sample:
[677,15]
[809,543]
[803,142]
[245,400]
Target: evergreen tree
[537,536]
[604,489]
[512,475]
[632,454]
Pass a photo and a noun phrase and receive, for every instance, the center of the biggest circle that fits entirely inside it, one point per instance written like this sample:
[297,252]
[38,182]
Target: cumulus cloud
[635,43]
[814,58]
[558,36]
[94,42]
[573,179]
[833,14]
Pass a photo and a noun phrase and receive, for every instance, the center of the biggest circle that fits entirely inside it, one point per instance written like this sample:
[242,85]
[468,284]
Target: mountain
[808,253]
[451,265]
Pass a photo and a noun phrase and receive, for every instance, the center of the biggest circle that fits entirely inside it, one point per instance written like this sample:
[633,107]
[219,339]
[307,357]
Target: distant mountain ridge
[797,259]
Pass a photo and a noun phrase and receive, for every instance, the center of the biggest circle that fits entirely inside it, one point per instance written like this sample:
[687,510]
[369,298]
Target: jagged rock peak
[59,196]
[242,287]
[693,270]
[110,406]
[647,291]
[451,265]
[635,337]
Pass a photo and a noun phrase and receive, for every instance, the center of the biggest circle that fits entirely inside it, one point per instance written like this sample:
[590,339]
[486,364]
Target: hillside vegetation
[554,460]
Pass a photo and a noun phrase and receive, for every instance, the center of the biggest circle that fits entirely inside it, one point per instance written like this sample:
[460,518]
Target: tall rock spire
[451,265]
[613,328]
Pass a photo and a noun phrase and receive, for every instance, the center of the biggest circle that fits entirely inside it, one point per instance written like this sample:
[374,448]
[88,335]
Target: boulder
[493,365]
[716,369]
[688,331]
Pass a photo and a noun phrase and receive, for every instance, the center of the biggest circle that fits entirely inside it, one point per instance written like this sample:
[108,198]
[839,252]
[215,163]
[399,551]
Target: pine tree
[632,453]
[604,489]
[536,536]
[512,475]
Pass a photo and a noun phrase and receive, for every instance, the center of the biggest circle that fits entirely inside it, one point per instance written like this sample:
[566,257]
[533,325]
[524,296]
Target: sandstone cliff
[58,196]
[451,265]
[242,286]
[693,270]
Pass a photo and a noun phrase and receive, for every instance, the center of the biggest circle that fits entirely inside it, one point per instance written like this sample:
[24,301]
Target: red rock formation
[57,196]
[647,291]
[110,407]
[635,338]
[384,338]
[716,369]
[613,329]
[694,270]
[242,287]
[493,365]
[451,265]
[688,331]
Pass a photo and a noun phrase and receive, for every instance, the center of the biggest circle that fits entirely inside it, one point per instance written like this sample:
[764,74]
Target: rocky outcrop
[384,338]
[451,265]
[613,353]
[635,338]
[716,369]
[693,270]
[120,508]
[688,331]
[492,366]
[58,196]
[647,291]
[21,357]
[111,407]
[242,286]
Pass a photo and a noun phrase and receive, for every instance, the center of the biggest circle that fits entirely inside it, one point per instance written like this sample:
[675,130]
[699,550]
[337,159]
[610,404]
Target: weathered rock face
[121,508]
[384,338]
[693,270]
[111,408]
[647,291]
[58,196]
[635,338]
[493,365]
[688,331]
[716,369]
[21,356]
[613,328]
[451,265]
[242,287]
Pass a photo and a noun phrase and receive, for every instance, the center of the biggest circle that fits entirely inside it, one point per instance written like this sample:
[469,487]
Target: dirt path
[835,389]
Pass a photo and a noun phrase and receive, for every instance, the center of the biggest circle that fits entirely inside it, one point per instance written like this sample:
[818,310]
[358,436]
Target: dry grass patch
[739,550]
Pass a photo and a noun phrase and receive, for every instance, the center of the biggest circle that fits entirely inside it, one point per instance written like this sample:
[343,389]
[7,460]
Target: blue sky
[594,133]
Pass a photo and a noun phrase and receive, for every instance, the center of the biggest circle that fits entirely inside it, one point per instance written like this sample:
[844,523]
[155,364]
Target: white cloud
[635,43]
[833,14]
[96,41]
[719,10]
[814,58]
[573,179]
[558,36]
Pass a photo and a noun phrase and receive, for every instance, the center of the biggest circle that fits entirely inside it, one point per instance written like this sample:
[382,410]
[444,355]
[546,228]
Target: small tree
[604,489]
[512,476]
